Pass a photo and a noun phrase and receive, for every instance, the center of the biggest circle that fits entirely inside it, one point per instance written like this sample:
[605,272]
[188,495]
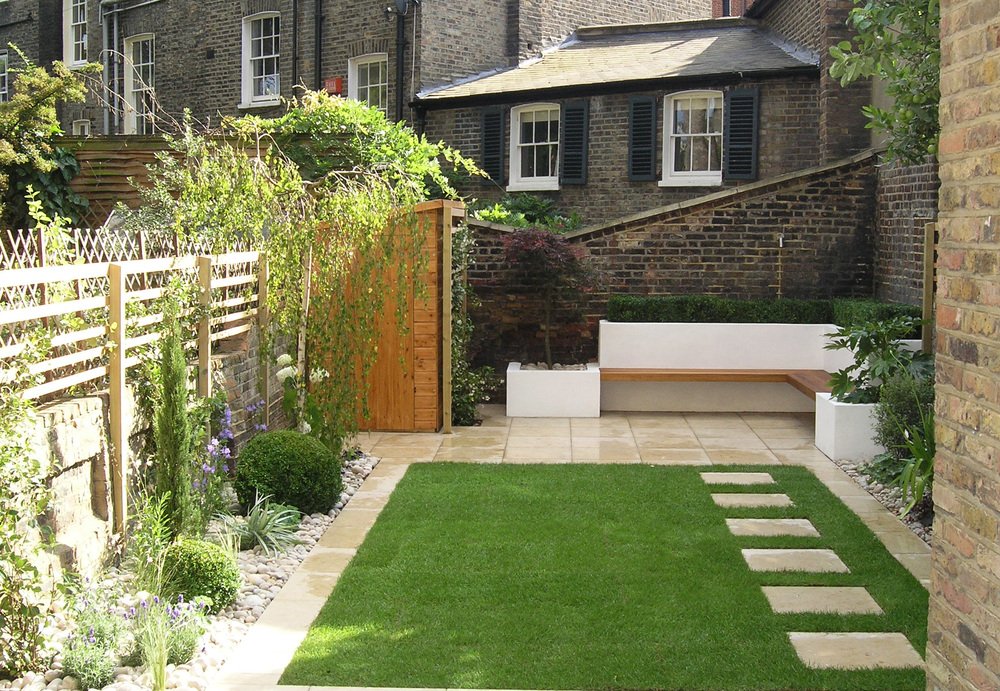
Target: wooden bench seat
[809,382]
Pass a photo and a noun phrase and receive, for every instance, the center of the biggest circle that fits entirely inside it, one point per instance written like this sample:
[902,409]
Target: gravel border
[263,578]
[890,497]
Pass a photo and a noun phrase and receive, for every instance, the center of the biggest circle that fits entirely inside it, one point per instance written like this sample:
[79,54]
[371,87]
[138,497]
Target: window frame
[517,181]
[131,118]
[77,128]
[5,76]
[249,100]
[353,65]
[69,34]
[671,178]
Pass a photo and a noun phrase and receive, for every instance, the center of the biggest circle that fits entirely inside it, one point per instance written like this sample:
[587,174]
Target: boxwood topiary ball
[197,568]
[293,468]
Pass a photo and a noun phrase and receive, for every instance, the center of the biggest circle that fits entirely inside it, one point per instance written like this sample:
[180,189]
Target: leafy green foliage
[24,597]
[325,190]
[200,569]
[52,186]
[164,633]
[878,356]
[715,309]
[523,210]
[268,524]
[175,436]
[148,539]
[918,473]
[849,311]
[291,467]
[28,125]
[547,264]
[899,42]
[901,403]
[470,386]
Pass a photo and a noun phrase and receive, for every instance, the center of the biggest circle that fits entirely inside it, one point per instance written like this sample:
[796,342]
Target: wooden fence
[96,319]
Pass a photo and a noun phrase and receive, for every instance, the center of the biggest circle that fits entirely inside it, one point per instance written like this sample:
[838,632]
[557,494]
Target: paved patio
[650,438]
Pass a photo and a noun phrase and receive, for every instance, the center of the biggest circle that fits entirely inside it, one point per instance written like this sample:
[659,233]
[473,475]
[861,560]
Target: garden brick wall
[964,622]
[801,236]
[907,199]
[788,138]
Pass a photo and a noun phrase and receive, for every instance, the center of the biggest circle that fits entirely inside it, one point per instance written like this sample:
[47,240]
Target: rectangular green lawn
[591,577]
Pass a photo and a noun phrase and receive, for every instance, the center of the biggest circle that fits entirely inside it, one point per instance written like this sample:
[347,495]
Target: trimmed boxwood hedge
[715,309]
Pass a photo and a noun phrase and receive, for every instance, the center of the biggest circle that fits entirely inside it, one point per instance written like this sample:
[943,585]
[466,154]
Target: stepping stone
[769,527]
[801,599]
[855,650]
[811,560]
[751,500]
[737,478]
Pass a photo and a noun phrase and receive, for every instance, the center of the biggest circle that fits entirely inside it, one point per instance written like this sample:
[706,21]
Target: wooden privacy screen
[410,384]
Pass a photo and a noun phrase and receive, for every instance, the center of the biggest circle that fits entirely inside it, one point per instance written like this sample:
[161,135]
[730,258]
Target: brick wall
[906,201]
[964,622]
[805,236]
[788,138]
[542,23]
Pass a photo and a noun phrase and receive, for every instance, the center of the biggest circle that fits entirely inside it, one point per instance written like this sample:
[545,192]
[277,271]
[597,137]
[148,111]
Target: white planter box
[553,393]
[844,431]
[712,346]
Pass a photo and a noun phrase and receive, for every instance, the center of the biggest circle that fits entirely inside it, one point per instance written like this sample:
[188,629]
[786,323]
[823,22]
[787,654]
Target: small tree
[547,264]
[899,42]
[175,436]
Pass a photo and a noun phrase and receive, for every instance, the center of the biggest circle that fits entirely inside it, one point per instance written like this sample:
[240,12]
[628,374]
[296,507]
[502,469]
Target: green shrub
[714,309]
[92,652]
[290,467]
[196,568]
[902,400]
[850,312]
[268,524]
[89,661]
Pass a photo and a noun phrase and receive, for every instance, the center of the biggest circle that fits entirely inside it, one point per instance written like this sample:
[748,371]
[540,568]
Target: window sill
[691,182]
[259,104]
[533,186]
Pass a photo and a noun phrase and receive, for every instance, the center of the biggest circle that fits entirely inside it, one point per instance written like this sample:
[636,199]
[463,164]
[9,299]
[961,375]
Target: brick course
[963,649]
[729,246]
[906,201]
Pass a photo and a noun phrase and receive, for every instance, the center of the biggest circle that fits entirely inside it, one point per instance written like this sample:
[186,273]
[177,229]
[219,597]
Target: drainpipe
[318,47]
[114,46]
[295,43]
[106,73]
[400,65]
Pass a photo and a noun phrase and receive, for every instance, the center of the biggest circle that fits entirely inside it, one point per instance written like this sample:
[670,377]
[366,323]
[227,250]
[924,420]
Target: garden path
[648,438]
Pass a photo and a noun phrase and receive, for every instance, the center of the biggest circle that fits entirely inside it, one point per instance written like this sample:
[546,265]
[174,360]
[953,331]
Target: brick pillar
[963,650]
[841,124]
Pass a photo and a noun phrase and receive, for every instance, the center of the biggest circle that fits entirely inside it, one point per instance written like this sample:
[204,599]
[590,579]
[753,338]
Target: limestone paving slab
[785,599]
[770,527]
[737,478]
[752,501]
[855,650]
[810,560]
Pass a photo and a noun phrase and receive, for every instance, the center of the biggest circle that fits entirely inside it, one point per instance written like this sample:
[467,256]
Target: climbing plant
[326,191]
[897,41]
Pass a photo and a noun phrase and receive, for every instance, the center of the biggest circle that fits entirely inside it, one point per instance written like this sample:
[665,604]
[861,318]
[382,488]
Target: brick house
[620,119]
[227,57]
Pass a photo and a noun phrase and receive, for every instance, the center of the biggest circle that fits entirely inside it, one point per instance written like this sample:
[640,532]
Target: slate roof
[637,54]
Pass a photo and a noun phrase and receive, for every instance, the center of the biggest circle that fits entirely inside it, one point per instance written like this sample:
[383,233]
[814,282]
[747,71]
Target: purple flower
[156,599]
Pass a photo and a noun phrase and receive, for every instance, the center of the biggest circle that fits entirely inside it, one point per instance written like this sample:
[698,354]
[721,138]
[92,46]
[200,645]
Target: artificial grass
[591,577]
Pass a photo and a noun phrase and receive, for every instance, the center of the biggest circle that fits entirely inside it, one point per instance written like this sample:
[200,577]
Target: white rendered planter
[844,431]
[553,393]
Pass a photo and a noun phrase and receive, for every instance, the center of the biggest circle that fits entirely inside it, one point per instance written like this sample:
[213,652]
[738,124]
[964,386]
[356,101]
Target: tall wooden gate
[410,384]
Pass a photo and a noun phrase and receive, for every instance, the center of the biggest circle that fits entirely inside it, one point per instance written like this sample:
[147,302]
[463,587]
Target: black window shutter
[741,113]
[642,138]
[573,143]
[492,128]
